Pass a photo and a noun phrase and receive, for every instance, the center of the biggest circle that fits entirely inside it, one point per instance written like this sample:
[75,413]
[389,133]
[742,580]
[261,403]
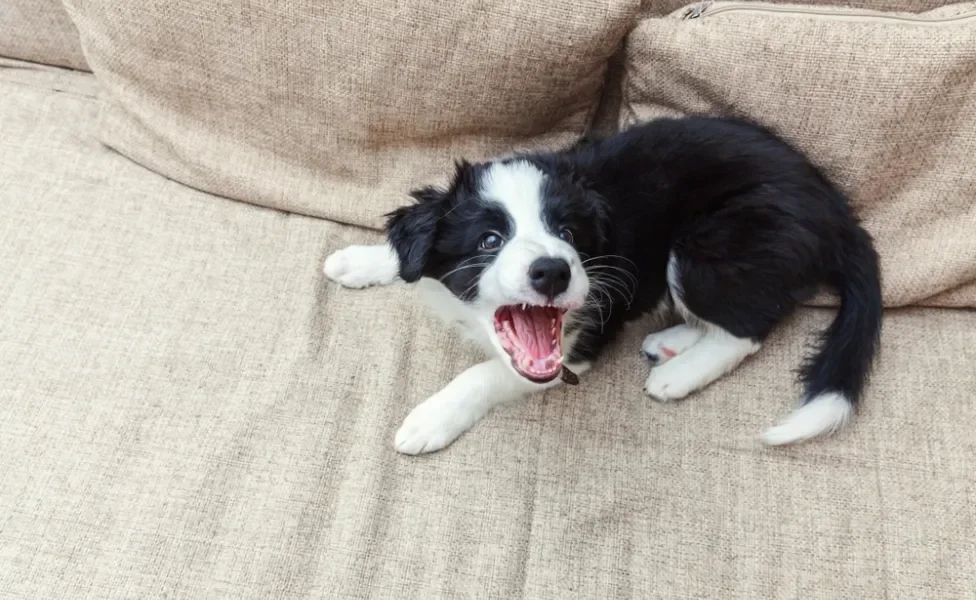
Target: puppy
[542,259]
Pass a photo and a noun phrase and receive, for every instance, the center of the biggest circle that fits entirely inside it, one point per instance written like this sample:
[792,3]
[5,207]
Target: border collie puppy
[542,259]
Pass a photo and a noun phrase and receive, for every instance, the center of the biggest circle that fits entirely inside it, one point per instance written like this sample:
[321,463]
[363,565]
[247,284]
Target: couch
[188,409]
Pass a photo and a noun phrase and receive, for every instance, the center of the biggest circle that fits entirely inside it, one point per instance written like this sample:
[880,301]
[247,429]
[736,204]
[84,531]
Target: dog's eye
[491,241]
[566,235]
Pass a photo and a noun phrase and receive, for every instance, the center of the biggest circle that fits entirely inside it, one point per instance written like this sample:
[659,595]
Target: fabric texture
[883,101]
[189,410]
[40,31]
[338,109]
[664,7]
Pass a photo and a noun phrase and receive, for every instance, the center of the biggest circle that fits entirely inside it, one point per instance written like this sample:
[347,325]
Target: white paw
[362,266]
[656,351]
[430,426]
[661,346]
[670,382]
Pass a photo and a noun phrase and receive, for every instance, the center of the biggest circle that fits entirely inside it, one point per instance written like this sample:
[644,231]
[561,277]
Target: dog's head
[510,240]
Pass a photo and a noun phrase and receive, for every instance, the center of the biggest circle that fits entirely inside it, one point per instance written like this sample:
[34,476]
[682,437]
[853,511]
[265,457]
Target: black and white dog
[543,258]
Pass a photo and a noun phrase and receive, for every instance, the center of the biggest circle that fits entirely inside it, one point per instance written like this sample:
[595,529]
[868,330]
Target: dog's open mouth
[532,336]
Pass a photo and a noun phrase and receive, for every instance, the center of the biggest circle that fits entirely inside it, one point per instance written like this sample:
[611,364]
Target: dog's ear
[411,231]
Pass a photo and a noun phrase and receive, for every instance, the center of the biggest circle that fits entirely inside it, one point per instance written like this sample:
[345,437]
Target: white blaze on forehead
[517,187]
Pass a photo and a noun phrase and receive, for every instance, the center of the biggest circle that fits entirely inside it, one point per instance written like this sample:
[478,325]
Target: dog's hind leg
[717,349]
[661,346]
[714,355]
[363,266]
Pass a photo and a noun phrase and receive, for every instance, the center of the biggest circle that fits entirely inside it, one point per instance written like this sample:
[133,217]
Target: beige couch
[188,410]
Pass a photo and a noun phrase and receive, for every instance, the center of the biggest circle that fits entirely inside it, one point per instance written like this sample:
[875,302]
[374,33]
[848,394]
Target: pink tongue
[534,330]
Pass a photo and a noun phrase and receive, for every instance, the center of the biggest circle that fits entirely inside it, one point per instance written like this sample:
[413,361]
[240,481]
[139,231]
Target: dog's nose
[549,276]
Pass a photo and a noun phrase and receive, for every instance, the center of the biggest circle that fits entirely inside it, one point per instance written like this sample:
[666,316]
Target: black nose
[549,276]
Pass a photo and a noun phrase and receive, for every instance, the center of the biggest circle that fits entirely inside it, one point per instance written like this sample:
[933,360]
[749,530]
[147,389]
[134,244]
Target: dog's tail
[835,374]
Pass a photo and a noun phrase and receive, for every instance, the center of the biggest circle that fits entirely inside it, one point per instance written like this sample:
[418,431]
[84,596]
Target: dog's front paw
[669,382]
[362,266]
[431,426]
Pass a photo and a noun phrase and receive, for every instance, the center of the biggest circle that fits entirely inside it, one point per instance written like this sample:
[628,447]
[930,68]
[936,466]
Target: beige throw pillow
[337,109]
[886,102]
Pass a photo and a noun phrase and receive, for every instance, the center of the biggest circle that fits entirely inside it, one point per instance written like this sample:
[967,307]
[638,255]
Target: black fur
[438,237]
[754,226]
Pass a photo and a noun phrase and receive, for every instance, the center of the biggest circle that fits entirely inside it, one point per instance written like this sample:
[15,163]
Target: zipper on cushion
[844,14]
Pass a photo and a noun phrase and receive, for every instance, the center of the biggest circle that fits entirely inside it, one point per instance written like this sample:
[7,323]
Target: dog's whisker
[606,268]
[462,268]
[605,256]
[593,302]
[609,270]
[625,294]
[470,288]
[470,259]
[621,287]
[606,278]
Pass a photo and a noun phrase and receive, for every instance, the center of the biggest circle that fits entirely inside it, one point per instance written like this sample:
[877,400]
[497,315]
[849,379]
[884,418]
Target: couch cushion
[337,109]
[884,101]
[188,410]
[40,31]
[664,7]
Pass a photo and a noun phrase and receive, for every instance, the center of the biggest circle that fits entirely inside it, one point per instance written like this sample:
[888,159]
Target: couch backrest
[40,31]
[658,8]
[338,109]
[884,100]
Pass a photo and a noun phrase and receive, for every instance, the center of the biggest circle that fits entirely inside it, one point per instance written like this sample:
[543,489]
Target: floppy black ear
[411,231]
